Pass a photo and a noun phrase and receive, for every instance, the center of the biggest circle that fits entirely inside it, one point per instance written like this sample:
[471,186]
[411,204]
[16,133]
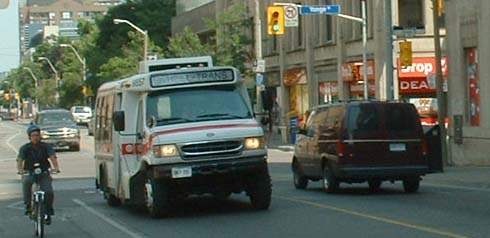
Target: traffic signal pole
[258,55]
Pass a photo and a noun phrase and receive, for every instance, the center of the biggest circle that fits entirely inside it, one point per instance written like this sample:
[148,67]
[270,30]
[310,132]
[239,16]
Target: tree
[188,44]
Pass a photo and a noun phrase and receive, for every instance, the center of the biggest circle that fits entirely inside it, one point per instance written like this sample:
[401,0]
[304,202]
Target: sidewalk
[456,176]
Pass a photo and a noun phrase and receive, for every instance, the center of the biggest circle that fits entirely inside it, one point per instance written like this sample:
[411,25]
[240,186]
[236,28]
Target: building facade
[60,14]
[321,61]
[468,44]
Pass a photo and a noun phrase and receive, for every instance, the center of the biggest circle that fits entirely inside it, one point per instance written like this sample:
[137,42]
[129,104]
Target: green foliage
[117,68]
[188,44]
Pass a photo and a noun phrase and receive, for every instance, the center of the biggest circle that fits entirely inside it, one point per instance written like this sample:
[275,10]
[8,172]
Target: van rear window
[363,118]
[401,119]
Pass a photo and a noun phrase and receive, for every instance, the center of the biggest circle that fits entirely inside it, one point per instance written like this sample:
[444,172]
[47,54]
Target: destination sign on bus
[222,75]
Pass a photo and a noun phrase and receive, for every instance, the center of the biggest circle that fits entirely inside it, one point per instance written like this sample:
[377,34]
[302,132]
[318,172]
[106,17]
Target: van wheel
[374,185]
[156,198]
[260,190]
[330,182]
[300,181]
[411,185]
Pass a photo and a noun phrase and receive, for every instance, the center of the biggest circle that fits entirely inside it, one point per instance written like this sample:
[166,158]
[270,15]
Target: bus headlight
[165,150]
[254,143]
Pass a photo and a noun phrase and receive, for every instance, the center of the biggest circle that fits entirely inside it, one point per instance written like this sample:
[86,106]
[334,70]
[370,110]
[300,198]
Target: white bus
[163,135]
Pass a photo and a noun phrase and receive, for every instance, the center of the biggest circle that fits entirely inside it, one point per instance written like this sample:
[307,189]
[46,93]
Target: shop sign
[294,77]
[421,67]
[356,88]
[347,70]
[415,85]
[328,88]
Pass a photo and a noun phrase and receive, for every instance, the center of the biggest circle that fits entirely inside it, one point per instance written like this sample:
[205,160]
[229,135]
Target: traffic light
[356,72]
[275,19]
[7,97]
[85,91]
[405,53]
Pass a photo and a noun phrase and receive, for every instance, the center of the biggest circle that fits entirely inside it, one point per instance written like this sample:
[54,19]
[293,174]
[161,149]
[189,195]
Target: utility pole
[258,56]
[364,50]
[389,51]
[441,98]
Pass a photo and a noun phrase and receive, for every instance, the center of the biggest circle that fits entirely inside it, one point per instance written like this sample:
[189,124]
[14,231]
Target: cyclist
[37,152]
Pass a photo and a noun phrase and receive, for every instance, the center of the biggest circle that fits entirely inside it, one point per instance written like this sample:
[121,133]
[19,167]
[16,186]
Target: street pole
[35,84]
[389,51]
[82,61]
[441,99]
[57,96]
[258,55]
[144,32]
[364,50]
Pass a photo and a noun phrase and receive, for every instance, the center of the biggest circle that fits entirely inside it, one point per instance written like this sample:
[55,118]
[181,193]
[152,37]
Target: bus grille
[211,148]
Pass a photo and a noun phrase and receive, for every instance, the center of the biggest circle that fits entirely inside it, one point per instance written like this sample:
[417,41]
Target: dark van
[359,141]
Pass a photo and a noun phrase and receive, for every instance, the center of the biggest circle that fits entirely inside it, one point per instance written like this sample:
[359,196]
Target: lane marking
[376,218]
[455,187]
[107,219]
[7,159]
[10,145]
[16,205]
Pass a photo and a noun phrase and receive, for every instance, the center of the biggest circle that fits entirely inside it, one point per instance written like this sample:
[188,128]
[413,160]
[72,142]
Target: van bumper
[391,172]
[201,169]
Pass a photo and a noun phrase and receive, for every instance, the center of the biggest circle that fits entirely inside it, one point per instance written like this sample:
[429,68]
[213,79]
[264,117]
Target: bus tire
[156,197]
[260,190]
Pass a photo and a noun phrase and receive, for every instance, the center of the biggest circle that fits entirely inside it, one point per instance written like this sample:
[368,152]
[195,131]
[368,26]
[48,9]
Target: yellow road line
[376,218]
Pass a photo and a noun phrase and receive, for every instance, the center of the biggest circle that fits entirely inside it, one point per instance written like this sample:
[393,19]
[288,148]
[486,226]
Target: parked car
[58,128]
[7,116]
[361,141]
[81,114]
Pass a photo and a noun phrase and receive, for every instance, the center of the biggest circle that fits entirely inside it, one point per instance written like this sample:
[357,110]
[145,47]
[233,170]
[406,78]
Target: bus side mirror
[118,118]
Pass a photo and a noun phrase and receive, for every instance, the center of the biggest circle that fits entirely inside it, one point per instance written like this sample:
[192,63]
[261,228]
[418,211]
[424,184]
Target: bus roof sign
[192,77]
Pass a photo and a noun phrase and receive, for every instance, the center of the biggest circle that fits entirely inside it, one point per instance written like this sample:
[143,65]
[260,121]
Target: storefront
[353,75]
[296,81]
[327,84]
[417,85]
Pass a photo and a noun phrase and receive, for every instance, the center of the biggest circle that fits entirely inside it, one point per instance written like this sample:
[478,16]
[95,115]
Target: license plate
[397,147]
[182,172]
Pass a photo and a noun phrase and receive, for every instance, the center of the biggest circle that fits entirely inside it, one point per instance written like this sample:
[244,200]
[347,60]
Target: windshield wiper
[174,119]
[220,115]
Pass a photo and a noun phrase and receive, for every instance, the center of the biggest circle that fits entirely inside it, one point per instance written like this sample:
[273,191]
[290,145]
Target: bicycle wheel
[40,218]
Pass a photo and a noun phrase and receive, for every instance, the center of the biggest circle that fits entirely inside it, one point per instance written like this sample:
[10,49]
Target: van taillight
[425,148]
[340,148]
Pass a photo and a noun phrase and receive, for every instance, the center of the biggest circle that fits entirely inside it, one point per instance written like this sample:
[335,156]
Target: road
[436,211]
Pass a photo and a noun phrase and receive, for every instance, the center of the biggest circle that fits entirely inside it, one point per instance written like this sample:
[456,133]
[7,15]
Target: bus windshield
[192,105]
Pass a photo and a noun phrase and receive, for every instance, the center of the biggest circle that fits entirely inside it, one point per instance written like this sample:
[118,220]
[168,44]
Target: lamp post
[144,32]
[35,83]
[57,96]
[82,60]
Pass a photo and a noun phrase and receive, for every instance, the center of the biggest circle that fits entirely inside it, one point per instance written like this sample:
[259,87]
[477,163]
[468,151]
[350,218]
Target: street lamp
[35,82]
[82,60]
[55,75]
[145,33]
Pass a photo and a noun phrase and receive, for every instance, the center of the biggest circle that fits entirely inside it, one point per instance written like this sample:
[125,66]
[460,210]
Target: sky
[9,35]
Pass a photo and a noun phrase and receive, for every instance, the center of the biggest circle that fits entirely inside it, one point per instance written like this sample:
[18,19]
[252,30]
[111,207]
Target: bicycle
[38,206]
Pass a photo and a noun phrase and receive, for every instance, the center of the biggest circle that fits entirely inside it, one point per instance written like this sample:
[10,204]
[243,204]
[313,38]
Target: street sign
[291,16]
[320,10]
[259,79]
[260,66]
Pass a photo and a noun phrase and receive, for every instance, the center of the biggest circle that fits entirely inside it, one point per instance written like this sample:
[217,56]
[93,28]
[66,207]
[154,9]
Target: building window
[410,13]
[66,15]
[327,24]
[52,15]
[473,79]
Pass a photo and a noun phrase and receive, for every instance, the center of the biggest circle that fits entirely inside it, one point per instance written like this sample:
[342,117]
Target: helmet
[32,128]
